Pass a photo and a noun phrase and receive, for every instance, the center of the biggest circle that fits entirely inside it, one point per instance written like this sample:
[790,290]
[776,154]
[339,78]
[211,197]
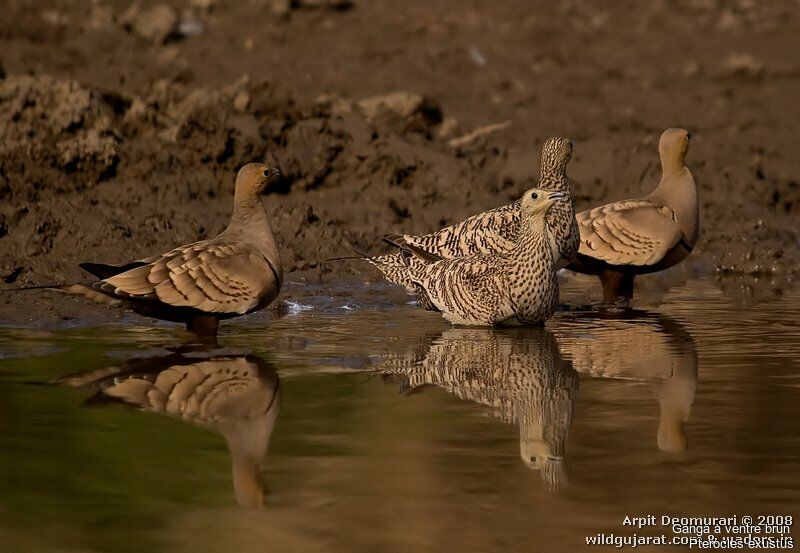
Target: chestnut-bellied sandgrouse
[623,239]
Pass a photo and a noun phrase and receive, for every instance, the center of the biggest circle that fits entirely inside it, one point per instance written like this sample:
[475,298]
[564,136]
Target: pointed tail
[72,289]
[359,255]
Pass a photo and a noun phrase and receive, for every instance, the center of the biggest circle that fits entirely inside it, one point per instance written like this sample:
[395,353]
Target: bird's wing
[215,277]
[630,232]
[492,231]
[472,284]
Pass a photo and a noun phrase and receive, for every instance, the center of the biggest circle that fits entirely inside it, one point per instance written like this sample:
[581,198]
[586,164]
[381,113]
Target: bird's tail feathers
[359,255]
[396,240]
[71,289]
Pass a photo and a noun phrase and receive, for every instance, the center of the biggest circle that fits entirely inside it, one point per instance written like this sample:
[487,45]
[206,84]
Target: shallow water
[389,430]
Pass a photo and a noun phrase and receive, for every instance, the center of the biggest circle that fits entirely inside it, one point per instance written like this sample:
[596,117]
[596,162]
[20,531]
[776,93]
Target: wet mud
[123,125]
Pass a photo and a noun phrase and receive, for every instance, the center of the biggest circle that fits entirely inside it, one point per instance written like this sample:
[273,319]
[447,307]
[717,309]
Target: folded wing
[466,286]
[212,277]
[631,232]
[488,232]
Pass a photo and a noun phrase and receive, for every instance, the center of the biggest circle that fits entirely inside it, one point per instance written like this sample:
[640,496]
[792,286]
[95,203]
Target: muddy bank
[122,130]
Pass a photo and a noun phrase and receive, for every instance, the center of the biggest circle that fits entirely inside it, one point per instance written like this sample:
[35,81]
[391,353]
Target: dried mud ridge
[91,174]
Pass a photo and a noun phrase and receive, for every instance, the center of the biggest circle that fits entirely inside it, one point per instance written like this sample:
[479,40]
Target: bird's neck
[533,234]
[529,418]
[671,432]
[250,222]
[247,484]
[678,191]
[671,162]
[550,179]
[246,204]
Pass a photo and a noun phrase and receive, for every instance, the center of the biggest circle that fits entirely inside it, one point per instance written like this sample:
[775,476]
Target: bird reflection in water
[642,346]
[518,373]
[237,396]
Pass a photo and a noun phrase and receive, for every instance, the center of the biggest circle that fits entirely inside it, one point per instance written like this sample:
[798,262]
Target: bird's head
[673,145]
[538,455]
[539,200]
[253,178]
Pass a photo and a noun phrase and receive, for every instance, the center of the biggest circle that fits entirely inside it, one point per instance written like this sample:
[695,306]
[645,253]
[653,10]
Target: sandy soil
[123,125]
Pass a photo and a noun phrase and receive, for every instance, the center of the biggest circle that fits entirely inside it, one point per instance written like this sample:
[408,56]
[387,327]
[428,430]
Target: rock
[191,26]
[448,129]
[155,24]
[136,111]
[241,101]
[101,17]
[413,108]
[476,57]
[691,69]
[87,151]
[280,7]
[204,5]
[401,103]
[335,105]
[55,18]
[744,65]
[729,21]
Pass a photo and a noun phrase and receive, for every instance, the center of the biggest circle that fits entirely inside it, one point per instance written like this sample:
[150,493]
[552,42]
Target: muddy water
[353,421]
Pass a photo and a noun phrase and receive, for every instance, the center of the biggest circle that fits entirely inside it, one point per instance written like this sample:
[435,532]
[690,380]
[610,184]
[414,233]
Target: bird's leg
[617,286]
[204,326]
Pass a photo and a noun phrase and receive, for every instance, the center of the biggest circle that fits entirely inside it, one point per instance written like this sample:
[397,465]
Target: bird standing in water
[236,272]
[623,239]
[518,286]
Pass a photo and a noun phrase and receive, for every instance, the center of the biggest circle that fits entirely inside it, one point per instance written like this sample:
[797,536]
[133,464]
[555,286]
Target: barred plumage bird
[518,373]
[496,230]
[236,272]
[622,239]
[517,286]
[236,396]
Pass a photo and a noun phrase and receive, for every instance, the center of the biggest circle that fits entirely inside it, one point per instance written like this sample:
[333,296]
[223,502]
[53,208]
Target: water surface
[349,420]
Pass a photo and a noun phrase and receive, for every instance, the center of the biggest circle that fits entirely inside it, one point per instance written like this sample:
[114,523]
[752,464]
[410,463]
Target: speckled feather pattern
[518,286]
[518,373]
[496,230]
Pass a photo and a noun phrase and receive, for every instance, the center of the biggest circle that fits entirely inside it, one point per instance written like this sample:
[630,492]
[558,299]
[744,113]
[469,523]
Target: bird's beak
[555,196]
[276,172]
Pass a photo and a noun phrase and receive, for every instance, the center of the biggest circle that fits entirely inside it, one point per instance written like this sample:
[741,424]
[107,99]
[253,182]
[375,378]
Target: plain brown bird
[237,396]
[236,272]
[623,239]
[641,346]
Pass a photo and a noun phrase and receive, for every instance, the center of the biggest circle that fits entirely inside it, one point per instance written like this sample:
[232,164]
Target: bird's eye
[265,172]
[534,195]
[571,147]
